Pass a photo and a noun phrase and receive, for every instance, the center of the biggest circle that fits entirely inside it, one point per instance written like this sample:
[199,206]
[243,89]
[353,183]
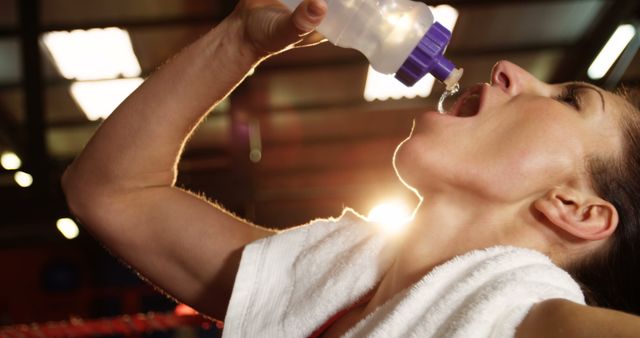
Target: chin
[405,165]
[425,164]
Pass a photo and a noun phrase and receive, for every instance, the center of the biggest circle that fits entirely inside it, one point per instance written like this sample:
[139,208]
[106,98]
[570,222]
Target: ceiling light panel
[95,54]
[98,99]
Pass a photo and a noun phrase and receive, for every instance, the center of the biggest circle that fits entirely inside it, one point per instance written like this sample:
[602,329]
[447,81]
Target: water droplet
[447,93]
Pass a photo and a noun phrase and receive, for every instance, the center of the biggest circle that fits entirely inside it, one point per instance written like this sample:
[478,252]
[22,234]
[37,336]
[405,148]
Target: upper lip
[475,91]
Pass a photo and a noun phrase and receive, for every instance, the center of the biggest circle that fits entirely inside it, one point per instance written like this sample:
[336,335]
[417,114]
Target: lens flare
[392,217]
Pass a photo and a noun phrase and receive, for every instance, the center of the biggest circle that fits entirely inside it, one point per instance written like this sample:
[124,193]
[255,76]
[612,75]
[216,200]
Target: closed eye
[570,96]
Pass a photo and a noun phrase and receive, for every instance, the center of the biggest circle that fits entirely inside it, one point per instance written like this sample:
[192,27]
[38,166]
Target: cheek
[504,159]
[427,162]
[538,155]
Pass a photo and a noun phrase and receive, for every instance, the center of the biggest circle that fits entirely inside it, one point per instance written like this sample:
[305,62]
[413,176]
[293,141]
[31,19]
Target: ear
[582,214]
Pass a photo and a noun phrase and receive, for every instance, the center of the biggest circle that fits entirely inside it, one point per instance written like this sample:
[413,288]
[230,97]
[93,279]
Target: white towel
[290,284]
[485,293]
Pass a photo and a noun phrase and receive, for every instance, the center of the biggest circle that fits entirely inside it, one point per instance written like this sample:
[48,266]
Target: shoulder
[564,319]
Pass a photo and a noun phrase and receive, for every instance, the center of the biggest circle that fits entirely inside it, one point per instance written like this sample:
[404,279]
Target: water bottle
[396,36]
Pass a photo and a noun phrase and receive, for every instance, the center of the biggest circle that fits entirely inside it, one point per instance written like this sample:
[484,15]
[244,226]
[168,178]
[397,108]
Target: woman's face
[512,138]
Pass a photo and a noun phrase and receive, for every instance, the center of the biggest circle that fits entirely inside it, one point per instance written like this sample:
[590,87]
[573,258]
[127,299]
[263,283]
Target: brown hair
[611,278]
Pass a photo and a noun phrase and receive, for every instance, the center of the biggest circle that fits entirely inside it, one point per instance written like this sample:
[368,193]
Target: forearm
[139,144]
[563,319]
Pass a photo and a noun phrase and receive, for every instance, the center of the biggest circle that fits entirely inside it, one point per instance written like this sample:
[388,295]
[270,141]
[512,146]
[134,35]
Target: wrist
[228,41]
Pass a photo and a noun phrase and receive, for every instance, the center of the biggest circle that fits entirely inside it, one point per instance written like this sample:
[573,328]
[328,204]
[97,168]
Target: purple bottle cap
[427,57]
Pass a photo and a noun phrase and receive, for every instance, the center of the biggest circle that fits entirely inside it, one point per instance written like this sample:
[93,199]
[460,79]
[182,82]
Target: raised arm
[122,185]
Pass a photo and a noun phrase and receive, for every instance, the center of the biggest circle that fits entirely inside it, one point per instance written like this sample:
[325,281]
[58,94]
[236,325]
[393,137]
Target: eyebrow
[584,85]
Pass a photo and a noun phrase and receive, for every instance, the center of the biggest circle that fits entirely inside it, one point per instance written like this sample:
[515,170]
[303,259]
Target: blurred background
[302,137]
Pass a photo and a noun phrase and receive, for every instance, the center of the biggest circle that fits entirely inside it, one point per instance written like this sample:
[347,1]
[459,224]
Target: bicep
[179,241]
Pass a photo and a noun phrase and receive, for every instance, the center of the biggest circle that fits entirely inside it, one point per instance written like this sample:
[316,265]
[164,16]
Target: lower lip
[430,117]
[435,114]
[435,117]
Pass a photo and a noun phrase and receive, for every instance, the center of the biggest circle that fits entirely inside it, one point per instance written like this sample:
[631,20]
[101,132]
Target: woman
[528,169]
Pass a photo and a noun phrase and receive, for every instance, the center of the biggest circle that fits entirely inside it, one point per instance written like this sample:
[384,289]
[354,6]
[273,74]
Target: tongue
[469,107]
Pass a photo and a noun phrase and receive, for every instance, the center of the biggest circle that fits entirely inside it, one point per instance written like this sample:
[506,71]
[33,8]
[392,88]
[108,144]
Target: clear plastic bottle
[396,36]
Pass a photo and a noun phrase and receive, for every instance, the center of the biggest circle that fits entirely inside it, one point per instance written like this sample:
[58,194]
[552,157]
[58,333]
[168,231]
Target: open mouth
[468,104]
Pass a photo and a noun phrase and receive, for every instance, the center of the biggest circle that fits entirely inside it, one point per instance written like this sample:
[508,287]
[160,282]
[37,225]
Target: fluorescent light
[93,54]
[390,216]
[96,54]
[68,228]
[23,179]
[10,161]
[611,51]
[99,98]
[384,86]
[446,16]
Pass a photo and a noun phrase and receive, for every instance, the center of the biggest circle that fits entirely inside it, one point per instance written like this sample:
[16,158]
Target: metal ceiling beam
[500,51]
[179,20]
[227,7]
[579,58]
[616,74]
[37,162]
[9,132]
[481,3]
[8,32]
[133,24]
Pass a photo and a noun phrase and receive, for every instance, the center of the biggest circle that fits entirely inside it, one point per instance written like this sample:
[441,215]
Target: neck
[439,222]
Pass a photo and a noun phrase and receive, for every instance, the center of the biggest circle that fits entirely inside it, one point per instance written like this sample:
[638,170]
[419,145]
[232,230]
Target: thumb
[277,30]
[308,15]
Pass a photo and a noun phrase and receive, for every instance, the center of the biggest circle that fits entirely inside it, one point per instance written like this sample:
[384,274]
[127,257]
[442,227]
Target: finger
[276,29]
[302,23]
[308,15]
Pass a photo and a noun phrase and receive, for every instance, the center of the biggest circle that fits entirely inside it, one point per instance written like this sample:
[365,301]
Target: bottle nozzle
[427,57]
[453,79]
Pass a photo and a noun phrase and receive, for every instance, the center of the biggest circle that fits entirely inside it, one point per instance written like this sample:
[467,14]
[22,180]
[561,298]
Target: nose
[514,80]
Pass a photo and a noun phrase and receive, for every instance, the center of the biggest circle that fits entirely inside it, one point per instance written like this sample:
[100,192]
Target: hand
[269,27]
